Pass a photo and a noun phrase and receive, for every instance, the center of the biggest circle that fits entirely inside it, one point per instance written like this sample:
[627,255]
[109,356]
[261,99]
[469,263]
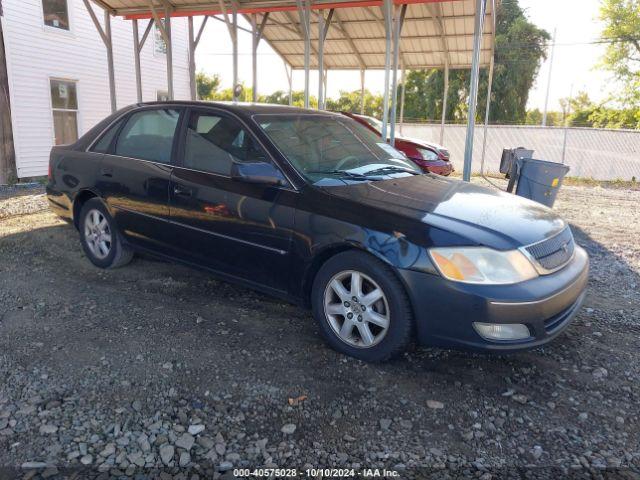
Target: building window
[160,46]
[162,96]
[56,13]
[64,103]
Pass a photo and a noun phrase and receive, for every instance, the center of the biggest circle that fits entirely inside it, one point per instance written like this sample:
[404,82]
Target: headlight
[482,265]
[427,154]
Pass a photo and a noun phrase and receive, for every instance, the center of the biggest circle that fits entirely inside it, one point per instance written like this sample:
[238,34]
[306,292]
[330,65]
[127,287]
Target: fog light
[502,331]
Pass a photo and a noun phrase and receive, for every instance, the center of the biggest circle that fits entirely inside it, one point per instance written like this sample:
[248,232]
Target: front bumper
[445,169]
[445,310]
[439,167]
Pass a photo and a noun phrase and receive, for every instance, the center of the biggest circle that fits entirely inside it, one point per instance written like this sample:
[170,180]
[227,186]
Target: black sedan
[312,207]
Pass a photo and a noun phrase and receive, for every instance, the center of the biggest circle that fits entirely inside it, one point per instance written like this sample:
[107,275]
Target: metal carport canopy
[435,32]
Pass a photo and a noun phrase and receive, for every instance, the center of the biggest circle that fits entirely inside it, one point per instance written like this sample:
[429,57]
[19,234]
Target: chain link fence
[590,152]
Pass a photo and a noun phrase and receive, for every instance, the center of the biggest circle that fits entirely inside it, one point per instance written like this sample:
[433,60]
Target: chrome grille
[553,252]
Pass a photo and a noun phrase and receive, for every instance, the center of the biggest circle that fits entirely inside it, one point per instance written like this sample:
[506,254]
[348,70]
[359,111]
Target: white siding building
[58,79]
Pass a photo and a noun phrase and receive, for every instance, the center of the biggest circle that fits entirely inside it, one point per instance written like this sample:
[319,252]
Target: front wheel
[99,237]
[361,307]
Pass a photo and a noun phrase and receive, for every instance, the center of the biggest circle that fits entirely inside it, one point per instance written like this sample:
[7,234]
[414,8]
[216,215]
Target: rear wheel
[100,239]
[361,307]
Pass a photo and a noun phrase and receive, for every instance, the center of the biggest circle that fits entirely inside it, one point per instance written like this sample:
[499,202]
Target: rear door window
[104,144]
[148,135]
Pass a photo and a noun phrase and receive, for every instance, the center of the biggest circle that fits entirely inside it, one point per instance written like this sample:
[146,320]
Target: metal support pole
[325,79]
[486,118]
[192,60]
[321,79]
[445,95]
[257,36]
[323,29]
[105,34]
[304,11]
[362,72]
[387,10]
[397,30]
[254,58]
[402,94]
[234,20]
[169,41]
[481,6]
[136,58]
[232,26]
[112,74]
[138,44]
[566,125]
[289,72]
[546,98]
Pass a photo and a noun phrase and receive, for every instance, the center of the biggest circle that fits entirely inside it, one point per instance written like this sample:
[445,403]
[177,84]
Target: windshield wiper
[392,169]
[344,173]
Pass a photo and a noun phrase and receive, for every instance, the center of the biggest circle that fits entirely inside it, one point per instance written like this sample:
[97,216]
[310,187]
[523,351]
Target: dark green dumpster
[537,180]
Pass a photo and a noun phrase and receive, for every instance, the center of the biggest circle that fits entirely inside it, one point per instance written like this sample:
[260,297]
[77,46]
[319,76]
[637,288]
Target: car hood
[482,216]
[422,143]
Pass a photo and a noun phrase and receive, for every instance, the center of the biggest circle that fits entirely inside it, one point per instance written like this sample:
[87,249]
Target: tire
[107,250]
[393,309]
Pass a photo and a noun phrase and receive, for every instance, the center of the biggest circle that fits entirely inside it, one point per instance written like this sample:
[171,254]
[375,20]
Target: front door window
[214,142]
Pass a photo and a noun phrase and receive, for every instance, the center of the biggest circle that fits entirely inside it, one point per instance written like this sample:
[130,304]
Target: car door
[135,173]
[241,229]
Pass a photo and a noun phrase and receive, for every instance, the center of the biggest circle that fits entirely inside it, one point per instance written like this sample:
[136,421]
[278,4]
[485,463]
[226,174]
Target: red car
[430,157]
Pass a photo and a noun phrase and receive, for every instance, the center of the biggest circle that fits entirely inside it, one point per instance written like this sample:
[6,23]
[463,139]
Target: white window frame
[57,30]
[51,109]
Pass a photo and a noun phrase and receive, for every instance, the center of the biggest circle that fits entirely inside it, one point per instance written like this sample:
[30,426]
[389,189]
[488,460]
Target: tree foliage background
[622,57]
[520,48]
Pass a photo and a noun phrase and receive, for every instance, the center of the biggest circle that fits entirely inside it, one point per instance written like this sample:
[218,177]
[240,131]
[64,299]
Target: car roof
[243,108]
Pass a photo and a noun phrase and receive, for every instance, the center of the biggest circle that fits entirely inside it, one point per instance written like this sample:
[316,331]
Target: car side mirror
[257,172]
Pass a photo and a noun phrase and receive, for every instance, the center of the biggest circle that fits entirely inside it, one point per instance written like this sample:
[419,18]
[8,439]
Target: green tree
[534,117]
[351,102]
[206,85]
[279,97]
[579,110]
[622,29]
[616,118]
[519,48]
[225,95]
[424,92]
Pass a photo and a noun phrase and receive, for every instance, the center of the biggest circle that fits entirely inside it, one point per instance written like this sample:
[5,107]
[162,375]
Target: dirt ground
[159,368]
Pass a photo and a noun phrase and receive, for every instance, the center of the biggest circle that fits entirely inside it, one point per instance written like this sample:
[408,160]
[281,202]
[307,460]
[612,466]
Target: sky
[576,23]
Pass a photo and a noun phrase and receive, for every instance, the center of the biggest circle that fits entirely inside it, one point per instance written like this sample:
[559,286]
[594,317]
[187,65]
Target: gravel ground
[159,368]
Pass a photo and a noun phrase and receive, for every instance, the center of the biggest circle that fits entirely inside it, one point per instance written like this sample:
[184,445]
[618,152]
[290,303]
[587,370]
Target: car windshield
[321,146]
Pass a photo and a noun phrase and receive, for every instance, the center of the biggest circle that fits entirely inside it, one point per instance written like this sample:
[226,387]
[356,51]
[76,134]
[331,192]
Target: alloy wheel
[357,309]
[97,234]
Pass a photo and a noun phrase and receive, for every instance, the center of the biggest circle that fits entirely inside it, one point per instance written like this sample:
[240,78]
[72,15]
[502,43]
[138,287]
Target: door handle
[181,191]
[106,172]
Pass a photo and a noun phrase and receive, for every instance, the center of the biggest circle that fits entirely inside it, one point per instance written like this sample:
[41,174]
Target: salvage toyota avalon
[312,207]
